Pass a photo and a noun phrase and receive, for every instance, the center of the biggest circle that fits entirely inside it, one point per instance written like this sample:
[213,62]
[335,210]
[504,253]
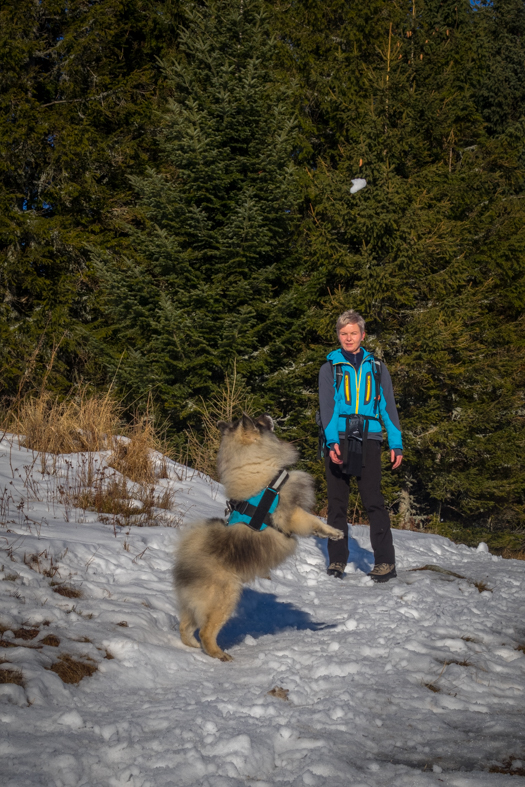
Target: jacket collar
[336,356]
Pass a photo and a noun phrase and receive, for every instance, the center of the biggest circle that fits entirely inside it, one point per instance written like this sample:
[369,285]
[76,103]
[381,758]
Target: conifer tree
[78,85]
[500,83]
[425,254]
[206,288]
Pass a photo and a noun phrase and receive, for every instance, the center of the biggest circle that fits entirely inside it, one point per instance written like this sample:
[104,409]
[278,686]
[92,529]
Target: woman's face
[351,337]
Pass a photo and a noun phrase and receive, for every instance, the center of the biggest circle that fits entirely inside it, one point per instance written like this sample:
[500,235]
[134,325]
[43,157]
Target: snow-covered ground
[416,682]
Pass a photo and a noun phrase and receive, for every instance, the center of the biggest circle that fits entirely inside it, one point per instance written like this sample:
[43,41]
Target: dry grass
[133,458]
[122,492]
[67,591]
[279,692]
[80,423]
[89,423]
[116,503]
[432,687]
[71,670]
[510,766]
[11,676]
[513,554]
[51,640]
[482,586]
[230,403]
[26,633]
[42,563]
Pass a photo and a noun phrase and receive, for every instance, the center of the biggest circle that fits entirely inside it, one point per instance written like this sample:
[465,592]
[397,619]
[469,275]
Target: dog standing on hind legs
[214,559]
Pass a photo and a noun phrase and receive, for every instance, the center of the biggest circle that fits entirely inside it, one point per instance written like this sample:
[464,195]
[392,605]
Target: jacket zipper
[358,386]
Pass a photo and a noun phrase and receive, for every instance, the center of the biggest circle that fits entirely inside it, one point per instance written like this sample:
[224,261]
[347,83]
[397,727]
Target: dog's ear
[247,423]
[223,426]
[265,421]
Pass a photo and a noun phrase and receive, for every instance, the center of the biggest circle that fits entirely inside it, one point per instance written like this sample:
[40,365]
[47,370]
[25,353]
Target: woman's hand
[335,455]
[396,460]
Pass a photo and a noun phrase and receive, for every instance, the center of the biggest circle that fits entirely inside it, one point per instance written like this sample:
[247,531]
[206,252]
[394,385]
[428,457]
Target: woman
[356,395]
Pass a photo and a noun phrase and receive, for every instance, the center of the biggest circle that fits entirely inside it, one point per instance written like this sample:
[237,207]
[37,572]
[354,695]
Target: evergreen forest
[176,213]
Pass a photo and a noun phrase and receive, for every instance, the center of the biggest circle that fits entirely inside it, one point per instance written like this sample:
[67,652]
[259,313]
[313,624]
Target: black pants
[369,485]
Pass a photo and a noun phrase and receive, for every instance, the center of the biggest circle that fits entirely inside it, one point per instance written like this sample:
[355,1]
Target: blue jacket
[356,394]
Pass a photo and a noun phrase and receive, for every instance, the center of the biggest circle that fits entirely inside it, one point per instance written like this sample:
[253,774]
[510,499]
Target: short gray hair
[349,317]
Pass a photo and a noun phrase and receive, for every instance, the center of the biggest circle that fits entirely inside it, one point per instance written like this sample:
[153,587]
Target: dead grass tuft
[230,403]
[513,766]
[123,623]
[463,663]
[26,633]
[432,687]
[42,563]
[482,586]
[115,503]
[51,640]
[279,692]
[81,422]
[133,459]
[67,591]
[71,670]
[513,554]
[8,675]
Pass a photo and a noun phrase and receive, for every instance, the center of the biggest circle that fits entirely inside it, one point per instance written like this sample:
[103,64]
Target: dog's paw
[335,535]
[226,657]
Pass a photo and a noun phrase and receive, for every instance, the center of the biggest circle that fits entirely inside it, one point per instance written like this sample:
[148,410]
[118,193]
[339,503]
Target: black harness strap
[260,514]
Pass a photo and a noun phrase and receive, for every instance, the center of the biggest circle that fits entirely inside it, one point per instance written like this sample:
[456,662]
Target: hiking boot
[336,570]
[382,572]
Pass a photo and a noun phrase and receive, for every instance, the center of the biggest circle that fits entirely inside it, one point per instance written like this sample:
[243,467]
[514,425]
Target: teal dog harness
[256,512]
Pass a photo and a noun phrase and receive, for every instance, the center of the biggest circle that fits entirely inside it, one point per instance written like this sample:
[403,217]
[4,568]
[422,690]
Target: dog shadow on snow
[262,613]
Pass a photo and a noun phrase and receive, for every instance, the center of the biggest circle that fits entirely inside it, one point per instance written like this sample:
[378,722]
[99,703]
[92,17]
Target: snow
[412,683]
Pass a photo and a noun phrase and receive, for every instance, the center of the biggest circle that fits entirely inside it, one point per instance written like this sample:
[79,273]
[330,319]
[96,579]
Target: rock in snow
[416,682]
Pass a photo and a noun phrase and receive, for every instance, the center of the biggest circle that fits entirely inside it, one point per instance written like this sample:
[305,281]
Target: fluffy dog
[213,559]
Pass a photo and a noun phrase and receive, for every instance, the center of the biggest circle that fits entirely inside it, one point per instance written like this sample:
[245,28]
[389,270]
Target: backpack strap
[376,370]
[338,374]
[337,371]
